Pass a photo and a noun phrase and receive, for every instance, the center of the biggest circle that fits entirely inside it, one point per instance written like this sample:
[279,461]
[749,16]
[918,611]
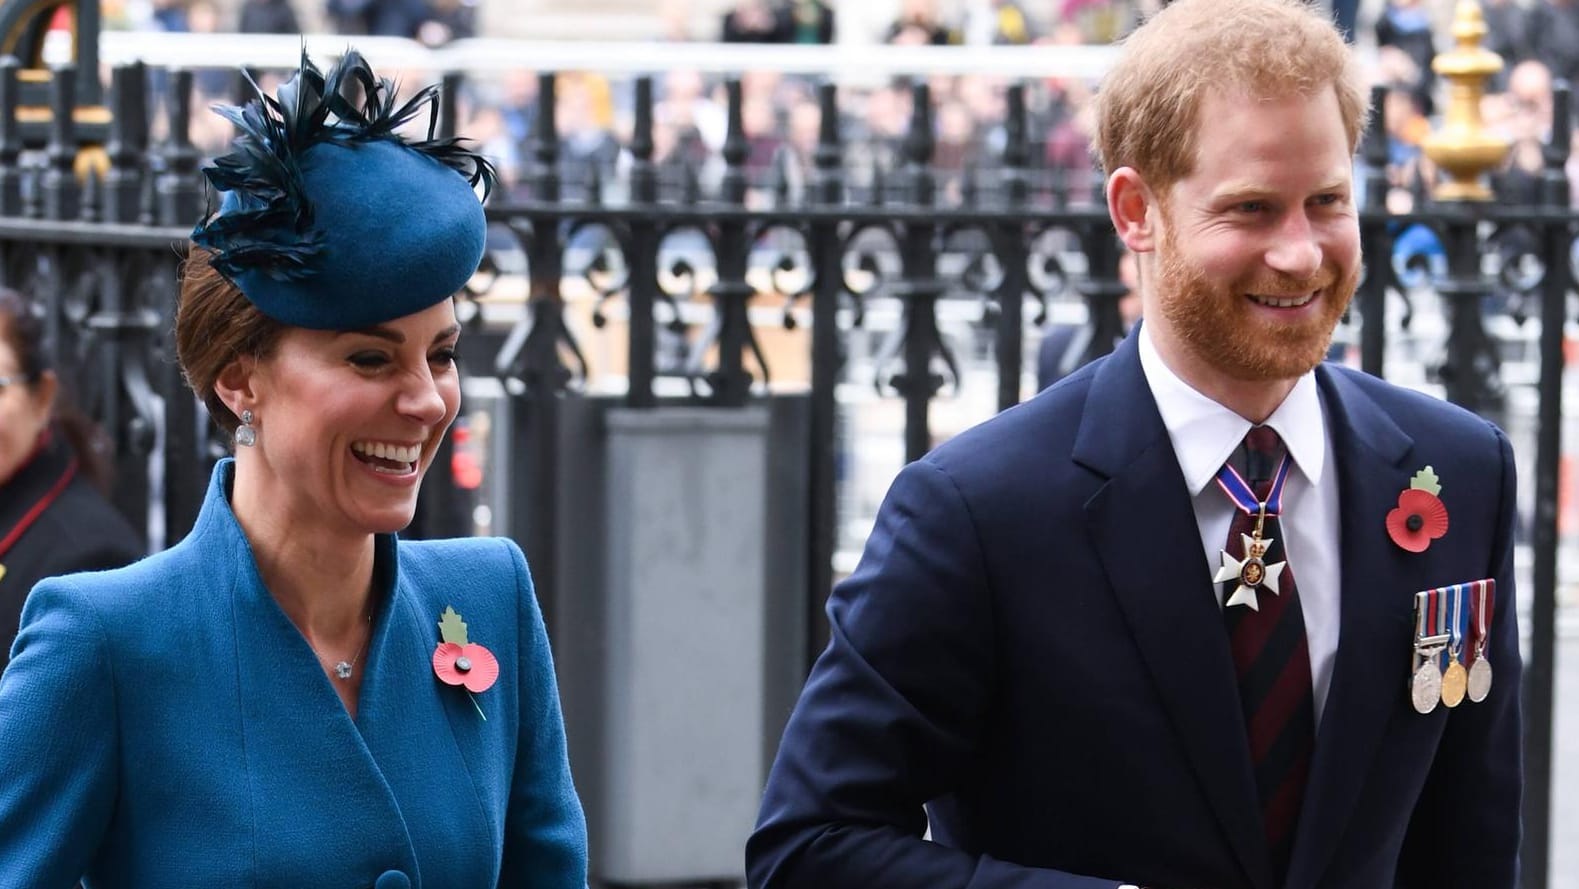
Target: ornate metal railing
[100,244]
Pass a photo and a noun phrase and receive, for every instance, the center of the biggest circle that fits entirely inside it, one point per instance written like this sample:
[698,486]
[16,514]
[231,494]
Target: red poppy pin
[1420,517]
[458,661]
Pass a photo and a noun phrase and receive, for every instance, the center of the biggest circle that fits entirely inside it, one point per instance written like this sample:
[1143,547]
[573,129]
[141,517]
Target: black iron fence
[98,235]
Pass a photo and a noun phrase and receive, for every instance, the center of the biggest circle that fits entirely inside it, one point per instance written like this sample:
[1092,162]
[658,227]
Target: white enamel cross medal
[1252,572]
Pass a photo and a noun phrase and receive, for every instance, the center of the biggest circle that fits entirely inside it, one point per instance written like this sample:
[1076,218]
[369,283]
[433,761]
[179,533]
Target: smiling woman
[286,664]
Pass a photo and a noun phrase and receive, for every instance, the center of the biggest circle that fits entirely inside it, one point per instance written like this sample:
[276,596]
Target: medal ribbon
[1484,593]
[1458,626]
[1425,615]
[1238,490]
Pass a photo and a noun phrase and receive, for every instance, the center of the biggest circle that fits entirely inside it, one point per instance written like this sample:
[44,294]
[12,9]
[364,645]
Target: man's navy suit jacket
[1032,650]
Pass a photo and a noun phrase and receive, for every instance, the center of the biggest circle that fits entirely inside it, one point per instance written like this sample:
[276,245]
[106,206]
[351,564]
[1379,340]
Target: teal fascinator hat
[328,219]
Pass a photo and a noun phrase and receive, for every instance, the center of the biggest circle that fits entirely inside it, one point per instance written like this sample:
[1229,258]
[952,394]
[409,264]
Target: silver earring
[246,436]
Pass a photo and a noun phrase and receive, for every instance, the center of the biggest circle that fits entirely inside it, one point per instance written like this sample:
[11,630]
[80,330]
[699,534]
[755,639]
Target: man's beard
[1221,326]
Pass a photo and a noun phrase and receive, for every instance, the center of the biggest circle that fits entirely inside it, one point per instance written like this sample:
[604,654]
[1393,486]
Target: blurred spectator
[54,518]
[809,21]
[1406,127]
[996,23]
[268,17]
[1406,25]
[584,116]
[873,148]
[1098,21]
[447,20]
[433,22]
[956,148]
[1528,123]
[918,24]
[170,15]
[753,21]
[1346,15]
[212,84]
[1554,37]
[1064,344]
[699,121]
[761,125]
[1507,35]
[1069,157]
[675,19]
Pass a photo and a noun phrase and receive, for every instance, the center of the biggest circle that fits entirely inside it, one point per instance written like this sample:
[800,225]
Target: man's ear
[236,385]
[1133,209]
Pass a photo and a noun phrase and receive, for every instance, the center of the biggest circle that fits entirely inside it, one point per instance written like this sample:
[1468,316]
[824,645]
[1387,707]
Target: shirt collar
[1205,434]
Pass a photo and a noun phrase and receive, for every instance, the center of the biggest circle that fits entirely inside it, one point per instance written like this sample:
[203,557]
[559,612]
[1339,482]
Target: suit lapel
[1142,527]
[1369,451]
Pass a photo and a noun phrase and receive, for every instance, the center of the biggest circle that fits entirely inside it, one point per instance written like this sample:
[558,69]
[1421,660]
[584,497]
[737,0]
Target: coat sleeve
[891,716]
[1475,788]
[545,832]
[58,731]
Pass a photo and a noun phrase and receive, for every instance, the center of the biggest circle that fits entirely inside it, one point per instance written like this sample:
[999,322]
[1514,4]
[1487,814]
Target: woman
[290,697]
[53,517]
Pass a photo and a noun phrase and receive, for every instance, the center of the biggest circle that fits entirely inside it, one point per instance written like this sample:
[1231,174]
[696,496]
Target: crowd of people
[1539,43]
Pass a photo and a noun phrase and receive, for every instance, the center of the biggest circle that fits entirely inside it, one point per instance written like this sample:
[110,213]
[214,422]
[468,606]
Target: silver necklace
[343,668]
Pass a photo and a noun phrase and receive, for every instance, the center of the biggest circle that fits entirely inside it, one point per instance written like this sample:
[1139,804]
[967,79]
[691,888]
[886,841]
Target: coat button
[392,879]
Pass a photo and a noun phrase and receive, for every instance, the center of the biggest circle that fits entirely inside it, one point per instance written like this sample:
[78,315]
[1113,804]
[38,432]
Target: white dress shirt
[1205,434]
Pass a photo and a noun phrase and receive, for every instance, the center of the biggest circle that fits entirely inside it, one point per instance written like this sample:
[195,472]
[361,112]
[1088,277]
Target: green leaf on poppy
[1426,480]
[451,628]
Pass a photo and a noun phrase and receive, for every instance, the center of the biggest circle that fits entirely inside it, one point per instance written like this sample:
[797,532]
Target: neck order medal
[1252,572]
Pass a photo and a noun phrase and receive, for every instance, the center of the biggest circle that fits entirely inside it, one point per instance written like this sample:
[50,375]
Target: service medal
[1482,597]
[1425,688]
[1425,674]
[1479,679]
[1455,682]
[1455,678]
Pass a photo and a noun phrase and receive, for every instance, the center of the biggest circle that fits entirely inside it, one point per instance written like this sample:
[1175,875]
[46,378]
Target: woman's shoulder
[461,556]
[470,574]
[169,582]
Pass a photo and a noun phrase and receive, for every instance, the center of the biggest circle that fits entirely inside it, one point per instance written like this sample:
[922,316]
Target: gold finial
[1463,148]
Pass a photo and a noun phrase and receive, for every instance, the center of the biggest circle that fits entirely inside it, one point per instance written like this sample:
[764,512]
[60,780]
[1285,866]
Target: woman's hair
[214,325]
[23,331]
[1148,108]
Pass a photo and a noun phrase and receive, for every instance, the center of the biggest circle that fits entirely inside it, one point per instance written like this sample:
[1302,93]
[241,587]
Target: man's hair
[1148,109]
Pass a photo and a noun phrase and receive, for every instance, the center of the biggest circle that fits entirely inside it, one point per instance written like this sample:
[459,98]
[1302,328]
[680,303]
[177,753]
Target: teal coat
[165,725]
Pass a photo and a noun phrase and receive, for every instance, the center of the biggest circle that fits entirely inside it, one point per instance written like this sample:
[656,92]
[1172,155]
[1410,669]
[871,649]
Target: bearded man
[1208,613]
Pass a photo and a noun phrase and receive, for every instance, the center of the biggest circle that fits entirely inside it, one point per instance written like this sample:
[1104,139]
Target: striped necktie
[1272,658]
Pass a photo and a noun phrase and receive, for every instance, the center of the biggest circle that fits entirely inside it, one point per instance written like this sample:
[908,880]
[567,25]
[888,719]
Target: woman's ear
[1131,205]
[236,385]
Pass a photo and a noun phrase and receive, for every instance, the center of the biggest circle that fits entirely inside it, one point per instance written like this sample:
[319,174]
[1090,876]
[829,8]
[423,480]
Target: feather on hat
[328,218]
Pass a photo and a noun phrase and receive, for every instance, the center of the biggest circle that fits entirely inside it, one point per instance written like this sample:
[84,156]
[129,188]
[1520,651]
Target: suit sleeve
[891,715]
[1465,831]
[545,832]
[58,731]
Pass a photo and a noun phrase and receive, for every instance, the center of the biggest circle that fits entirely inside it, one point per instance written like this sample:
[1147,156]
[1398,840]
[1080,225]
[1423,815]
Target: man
[1033,658]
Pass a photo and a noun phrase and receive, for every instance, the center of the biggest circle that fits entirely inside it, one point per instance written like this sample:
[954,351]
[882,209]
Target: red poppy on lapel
[1420,517]
[459,661]
[470,665]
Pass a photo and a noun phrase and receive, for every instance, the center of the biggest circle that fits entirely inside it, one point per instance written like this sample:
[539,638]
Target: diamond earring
[246,436]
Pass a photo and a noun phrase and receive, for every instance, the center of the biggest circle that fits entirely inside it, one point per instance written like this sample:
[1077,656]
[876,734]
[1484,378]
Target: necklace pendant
[343,670]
